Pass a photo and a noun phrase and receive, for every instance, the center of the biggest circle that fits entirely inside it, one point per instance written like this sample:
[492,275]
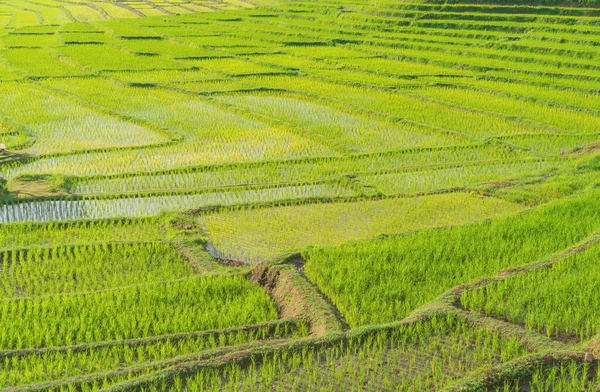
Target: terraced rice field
[299,195]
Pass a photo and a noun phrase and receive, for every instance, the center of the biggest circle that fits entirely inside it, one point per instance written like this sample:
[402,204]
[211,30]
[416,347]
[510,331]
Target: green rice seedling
[33,235]
[262,234]
[84,13]
[36,366]
[30,40]
[124,29]
[59,125]
[396,67]
[420,356]
[73,269]
[456,177]
[166,48]
[139,311]
[556,301]
[463,122]
[84,38]
[537,93]
[115,11]
[110,58]
[324,52]
[200,122]
[232,66]
[48,62]
[351,132]
[286,128]
[7,73]
[21,18]
[553,145]
[289,61]
[563,119]
[58,210]
[357,77]
[379,281]
[567,376]
[165,76]
[211,86]
[317,169]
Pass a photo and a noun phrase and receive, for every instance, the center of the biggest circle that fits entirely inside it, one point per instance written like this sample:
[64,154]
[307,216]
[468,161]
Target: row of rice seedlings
[84,13]
[108,57]
[325,52]
[124,29]
[541,189]
[7,73]
[165,77]
[566,46]
[383,280]
[73,269]
[557,301]
[568,376]
[499,9]
[546,46]
[198,36]
[30,40]
[512,26]
[88,38]
[224,44]
[47,63]
[173,157]
[398,67]
[445,55]
[31,235]
[198,304]
[463,122]
[357,77]
[223,135]
[5,19]
[166,48]
[536,93]
[553,145]
[422,356]
[285,172]
[565,82]
[231,66]
[14,140]
[292,62]
[254,235]
[20,17]
[353,132]
[561,118]
[35,367]
[11,135]
[456,177]
[211,86]
[476,62]
[475,15]
[57,210]
[116,10]
[62,126]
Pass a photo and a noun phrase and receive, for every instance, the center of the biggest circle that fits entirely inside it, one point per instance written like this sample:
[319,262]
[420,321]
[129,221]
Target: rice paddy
[292,195]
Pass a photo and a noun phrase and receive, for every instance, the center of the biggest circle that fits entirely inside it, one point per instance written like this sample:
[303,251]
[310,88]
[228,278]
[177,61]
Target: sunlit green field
[299,195]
